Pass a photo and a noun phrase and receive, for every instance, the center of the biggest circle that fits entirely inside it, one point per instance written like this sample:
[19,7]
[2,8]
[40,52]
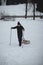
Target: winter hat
[18,23]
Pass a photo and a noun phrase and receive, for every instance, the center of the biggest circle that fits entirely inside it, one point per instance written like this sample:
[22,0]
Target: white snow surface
[31,54]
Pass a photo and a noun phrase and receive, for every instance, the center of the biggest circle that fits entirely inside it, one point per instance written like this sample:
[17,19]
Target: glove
[11,27]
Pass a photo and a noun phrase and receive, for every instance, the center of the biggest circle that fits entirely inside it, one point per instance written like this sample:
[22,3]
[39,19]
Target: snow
[15,55]
[14,10]
[31,54]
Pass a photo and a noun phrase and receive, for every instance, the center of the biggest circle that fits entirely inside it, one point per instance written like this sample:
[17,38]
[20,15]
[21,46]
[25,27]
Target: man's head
[18,24]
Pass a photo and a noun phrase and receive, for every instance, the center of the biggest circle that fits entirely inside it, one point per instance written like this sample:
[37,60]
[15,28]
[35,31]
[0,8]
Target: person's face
[18,25]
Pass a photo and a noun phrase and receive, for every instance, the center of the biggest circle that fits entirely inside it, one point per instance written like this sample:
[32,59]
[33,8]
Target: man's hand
[11,27]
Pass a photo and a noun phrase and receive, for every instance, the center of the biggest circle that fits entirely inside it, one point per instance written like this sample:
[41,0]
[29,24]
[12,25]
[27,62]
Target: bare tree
[3,2]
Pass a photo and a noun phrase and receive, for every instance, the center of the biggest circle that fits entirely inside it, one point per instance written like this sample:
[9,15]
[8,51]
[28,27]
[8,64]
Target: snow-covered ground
[31,54]
[14,10]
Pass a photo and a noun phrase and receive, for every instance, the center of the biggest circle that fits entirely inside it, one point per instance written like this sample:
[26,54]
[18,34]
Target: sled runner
[25,41]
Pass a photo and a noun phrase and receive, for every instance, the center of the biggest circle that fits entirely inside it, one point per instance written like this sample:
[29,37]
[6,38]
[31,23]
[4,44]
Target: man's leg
[20,42]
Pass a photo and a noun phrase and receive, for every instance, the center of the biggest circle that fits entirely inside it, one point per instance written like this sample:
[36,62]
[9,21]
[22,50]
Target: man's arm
[23,28]
[14,27]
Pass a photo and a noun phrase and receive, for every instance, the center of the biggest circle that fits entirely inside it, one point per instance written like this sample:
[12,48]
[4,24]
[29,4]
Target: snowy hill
[18,9]
[31,54]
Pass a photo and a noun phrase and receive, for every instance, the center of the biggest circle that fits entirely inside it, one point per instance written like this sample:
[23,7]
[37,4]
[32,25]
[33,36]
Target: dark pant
[20,40]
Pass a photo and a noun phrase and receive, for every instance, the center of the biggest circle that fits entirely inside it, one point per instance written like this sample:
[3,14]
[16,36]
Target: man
[20,29]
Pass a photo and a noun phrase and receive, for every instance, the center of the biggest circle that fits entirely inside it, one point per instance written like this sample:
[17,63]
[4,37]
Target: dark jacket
[19,30]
